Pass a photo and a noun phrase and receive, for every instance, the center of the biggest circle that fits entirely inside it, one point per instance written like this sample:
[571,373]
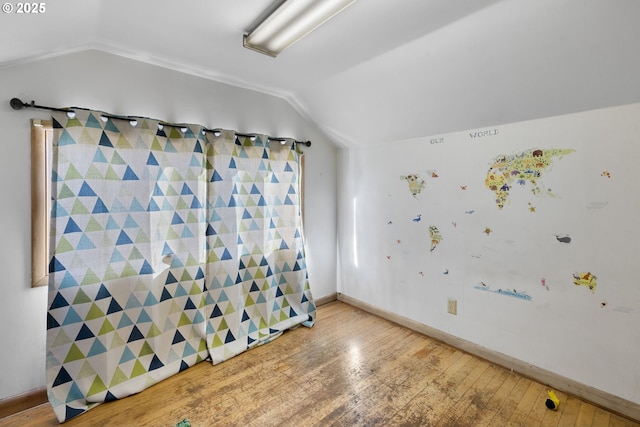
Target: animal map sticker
[435,235]
[416,184]
[506,292]
[416,181]
[585,279]
[527,167]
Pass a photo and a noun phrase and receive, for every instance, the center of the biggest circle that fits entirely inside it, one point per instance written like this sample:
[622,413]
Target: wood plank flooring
[351,369]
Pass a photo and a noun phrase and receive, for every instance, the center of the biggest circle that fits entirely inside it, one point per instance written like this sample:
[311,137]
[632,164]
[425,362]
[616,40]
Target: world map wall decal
[525,167]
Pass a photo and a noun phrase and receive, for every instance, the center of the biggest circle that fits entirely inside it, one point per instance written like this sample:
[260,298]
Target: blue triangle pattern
[71,317]
[132,302]
[165,295]
[114,307]
[72,412]
[92,122]
[146,268]
[71,227]
[63,377]
[195,203]
[155,363]
[96,348]
[153,206]
[170,279]
[112,224]
[86,190]
[109,397]
[104,140]
[111,126]
[170,148]
[144,317]
[85,243]
[99,207]
[129,175]
[216,176]
[188,350]
[58,302]
[216,312]
[55,265]
[180,291]
[198,318]
[127,355]
[116,256]
[151,160]
[68,281]
[136,206]
[65,139]
[135,335]
[123,239]
[103,292]
[52,323]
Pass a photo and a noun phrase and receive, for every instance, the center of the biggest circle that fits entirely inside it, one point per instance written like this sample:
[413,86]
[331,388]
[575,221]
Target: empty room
[320,213]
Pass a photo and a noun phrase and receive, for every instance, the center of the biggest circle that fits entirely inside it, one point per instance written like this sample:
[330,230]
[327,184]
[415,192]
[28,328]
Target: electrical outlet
[452,306]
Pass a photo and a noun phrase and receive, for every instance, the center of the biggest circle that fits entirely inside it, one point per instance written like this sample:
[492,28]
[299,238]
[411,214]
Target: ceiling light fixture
[290,22]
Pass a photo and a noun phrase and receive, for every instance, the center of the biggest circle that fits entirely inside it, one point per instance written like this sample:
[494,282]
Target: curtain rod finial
[17,104]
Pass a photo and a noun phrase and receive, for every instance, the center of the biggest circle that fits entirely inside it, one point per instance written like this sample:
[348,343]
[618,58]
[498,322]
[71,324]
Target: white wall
[120,86]
[591,337]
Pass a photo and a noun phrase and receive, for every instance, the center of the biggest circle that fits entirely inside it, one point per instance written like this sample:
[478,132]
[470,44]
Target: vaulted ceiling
[381,71]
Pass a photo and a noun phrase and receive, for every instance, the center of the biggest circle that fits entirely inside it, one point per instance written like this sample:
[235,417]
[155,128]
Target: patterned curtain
[254,238]
[169,246]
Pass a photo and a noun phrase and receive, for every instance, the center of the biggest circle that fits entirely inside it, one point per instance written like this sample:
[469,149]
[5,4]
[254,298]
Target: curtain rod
[17,104]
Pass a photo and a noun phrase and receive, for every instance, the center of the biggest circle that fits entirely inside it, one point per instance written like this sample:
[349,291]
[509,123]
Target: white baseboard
[326,299]
[590,394]
[21,402]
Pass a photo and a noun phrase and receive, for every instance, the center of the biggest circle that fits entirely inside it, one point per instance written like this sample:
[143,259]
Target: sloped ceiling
[382,71]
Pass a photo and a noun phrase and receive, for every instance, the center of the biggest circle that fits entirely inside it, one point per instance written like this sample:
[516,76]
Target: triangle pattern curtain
[169,247]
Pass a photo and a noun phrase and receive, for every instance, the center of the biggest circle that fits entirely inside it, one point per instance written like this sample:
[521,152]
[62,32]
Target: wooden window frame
[41,139]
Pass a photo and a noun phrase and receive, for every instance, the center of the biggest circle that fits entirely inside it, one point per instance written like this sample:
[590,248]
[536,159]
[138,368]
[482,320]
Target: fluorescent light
[290,22]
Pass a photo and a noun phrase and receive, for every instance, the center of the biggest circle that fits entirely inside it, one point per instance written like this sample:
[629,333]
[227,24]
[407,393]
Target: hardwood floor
[351,369]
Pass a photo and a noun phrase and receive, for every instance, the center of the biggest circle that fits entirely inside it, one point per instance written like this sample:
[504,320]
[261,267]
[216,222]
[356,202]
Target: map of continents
[525,167]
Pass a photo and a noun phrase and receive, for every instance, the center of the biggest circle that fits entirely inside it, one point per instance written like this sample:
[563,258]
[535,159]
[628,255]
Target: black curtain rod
[17,104]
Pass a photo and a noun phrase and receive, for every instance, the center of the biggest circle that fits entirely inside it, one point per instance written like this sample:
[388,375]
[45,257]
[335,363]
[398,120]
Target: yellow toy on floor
[552,401]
